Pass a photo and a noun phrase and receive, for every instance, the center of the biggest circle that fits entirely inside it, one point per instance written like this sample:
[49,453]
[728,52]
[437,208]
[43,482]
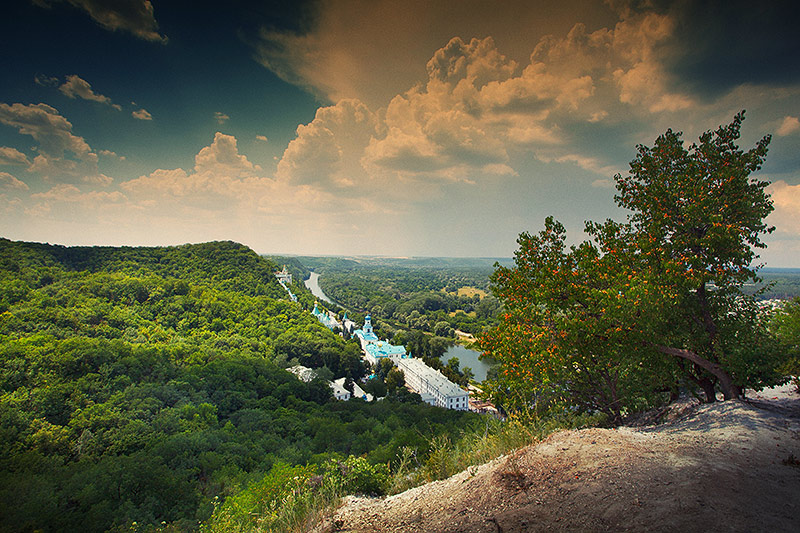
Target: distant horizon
[344,256]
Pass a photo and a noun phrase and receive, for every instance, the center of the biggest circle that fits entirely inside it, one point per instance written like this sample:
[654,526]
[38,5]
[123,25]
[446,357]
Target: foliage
[355,475]
[418,295]
[786,325]
[607,324]
[139,384]
[561,339]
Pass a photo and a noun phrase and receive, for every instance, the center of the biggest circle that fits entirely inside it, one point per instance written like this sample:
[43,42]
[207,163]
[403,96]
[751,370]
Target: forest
[147,386]
[435,295]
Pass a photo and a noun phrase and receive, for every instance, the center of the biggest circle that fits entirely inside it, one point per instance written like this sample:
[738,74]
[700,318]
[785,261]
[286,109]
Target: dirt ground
[732,466]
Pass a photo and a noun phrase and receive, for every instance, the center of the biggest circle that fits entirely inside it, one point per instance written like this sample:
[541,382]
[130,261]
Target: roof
[384,349]
[433,377]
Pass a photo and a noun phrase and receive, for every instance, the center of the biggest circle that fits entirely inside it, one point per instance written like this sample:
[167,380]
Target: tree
[697,217]
[395,379]
[786,325]
[607,323]
[560,339]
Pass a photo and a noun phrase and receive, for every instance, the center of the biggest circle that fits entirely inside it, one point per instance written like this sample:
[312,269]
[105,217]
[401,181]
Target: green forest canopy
[139,384]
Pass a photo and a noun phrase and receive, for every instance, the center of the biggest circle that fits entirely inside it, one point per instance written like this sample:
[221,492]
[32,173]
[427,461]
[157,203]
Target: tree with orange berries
[650,303]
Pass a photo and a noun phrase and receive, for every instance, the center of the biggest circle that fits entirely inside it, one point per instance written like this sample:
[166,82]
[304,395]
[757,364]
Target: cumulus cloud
[76,87]
[786,200]
[219,169]
[222,157]
[61,155]
[12,156]
[788,126]
[588,163]
[227,196]
[221,118]
[603,183]
[328,150]
[262,138]
[346,53]
[479,109]
[142,114]
[134,16]
[111,154]
[9,182]
[69,194]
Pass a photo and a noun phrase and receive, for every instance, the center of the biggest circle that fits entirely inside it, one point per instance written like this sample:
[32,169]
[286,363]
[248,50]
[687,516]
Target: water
[467,357]
[312,284]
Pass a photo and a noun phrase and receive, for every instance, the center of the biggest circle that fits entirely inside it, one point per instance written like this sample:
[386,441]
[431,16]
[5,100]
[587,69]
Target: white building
[325,317]
[374,348]
[339,392]
[432,386]
[358,392]
[284,276]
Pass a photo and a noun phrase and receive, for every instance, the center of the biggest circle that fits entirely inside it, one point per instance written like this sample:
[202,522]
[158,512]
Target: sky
[352,127]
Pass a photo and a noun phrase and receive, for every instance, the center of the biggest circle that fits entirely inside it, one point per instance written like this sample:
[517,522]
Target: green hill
[145,384]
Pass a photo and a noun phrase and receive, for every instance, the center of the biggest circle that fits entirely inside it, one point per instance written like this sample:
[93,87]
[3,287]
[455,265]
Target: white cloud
[134,16]
[788,126]
[111,154]
[588,163]
[67,194]
[786,201]
[479,108]
[221,118]
[328,150]
[8,182]
[61,155]
[12,156]
[262,138]
[222,157]
[142,114]
[603,183]
[76,87]
[219,171]
[227,196]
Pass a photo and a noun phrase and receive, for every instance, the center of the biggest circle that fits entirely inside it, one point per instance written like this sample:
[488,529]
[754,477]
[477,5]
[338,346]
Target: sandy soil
[732,466]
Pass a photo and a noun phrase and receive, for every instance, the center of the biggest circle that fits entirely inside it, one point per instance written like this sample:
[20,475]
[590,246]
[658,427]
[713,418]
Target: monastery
[430,384]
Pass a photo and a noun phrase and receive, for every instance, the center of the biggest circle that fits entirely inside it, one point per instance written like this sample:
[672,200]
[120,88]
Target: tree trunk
[708,388]
[730,391]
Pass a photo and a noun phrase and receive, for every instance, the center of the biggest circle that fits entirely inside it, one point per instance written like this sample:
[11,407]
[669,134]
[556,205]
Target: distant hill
[232,265]
[783,283]
[341,262]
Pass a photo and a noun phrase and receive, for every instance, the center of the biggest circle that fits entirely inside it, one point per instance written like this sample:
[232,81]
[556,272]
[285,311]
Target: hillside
[722,467]
[148,385]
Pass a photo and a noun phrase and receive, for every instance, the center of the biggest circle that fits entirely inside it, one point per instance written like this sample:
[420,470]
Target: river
[467,357]
[312,284]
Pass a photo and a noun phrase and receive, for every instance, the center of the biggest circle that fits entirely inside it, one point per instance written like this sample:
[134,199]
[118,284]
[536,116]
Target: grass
[293,499]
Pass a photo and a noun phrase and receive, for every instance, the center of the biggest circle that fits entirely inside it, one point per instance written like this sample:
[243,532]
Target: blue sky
[382,127]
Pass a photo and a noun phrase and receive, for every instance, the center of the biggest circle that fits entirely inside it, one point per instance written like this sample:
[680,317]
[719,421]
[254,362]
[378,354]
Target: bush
[355,475]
